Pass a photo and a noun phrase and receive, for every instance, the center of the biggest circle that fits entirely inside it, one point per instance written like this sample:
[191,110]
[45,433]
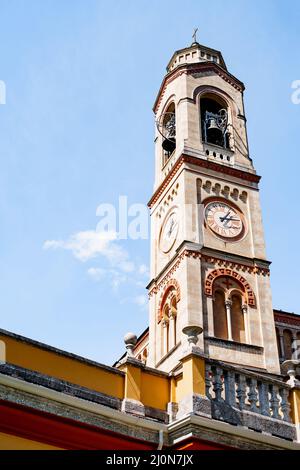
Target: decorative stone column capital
[244,308]
[173,314]
[228,303]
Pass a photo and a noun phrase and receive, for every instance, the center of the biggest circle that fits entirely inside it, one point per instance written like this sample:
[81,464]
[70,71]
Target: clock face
[169,231]
[224,220]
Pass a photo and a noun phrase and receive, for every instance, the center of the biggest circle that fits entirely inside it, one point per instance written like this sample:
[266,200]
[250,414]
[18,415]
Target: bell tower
[208,260]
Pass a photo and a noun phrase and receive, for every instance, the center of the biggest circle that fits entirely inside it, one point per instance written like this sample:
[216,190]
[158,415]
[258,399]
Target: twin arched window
[169,322]
[229,309]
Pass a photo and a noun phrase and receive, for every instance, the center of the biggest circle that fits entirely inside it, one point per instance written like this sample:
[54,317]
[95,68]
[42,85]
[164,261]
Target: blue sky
[77,130]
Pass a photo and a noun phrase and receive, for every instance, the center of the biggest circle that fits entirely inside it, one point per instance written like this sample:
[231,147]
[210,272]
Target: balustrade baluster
[264,401]
[218,384]
[229,382]
[208,381]
[285,404]
[252,395]
[241,391]
[274,402]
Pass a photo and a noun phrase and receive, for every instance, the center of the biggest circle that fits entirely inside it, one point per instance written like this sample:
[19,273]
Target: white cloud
[90,244]
[96,273]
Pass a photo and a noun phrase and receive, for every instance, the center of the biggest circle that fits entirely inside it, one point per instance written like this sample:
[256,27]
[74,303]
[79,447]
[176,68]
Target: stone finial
[130,340]
[192,333]
[290,367]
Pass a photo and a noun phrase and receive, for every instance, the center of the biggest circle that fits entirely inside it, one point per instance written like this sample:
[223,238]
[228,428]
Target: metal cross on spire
[194,36]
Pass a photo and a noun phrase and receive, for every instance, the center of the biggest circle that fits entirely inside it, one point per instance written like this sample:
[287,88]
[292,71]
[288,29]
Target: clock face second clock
[224,220]
[169,231]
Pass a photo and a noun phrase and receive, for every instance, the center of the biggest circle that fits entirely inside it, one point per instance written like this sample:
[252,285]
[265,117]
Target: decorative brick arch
[213,275]
[172,284]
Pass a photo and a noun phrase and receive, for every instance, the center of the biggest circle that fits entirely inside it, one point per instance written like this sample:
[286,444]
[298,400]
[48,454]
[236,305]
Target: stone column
[165,336]
[172,331]
[210,316]
[228,304]
[246,323]
[282,353]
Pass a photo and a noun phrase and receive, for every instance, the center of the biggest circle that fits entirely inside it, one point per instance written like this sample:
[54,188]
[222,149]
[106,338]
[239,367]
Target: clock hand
[171,228]
[225,217]
[231,218]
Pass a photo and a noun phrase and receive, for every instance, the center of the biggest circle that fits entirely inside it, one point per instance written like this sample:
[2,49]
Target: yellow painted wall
[10,442]
[155,390]
[180,389]
[192,379]
[295,405]
[49,363]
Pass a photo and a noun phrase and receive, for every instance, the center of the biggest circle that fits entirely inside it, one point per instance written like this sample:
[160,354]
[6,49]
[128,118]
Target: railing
[219,154]
[246,398]
[169,163]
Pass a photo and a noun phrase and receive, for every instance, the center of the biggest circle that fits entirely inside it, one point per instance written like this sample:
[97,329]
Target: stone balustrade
[249,399]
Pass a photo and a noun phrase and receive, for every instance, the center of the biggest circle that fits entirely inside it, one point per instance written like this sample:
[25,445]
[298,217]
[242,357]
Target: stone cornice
[235,262]
[225,170]
[242,347]
[286,318]
[189,69]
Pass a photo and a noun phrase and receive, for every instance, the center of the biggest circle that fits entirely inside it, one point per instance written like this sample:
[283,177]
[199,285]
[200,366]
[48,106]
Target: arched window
[169,320]
[230,310]
[214,120]
[219,315]
[237,319]
[287,341]
[167,128]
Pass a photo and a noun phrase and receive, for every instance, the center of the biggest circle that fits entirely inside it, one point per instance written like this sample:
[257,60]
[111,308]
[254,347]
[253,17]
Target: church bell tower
[208,262]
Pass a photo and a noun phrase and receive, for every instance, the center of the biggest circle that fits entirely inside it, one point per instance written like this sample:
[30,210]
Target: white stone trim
[227,428]
[75,402]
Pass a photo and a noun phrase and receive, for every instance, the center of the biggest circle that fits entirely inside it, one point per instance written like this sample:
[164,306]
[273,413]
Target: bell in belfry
[215,127]
[212,123]
[169,144]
